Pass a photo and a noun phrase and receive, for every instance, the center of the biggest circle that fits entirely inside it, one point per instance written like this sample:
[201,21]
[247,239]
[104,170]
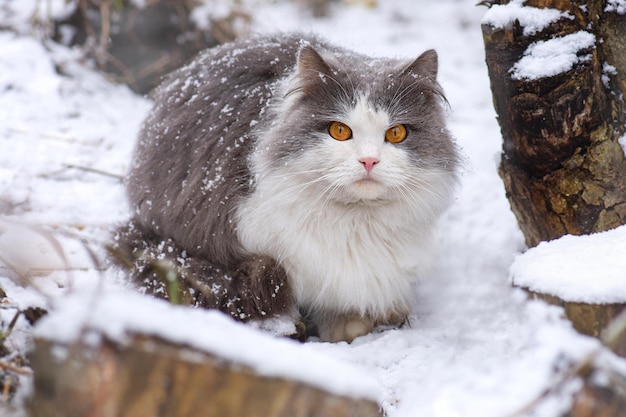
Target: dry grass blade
[24,274]
[20,370]
[614,330]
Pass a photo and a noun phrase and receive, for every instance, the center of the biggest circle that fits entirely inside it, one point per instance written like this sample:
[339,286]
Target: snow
[616,6]
[607,71]
[586,269]
[106,313]
[25,15]
[532,19]
[622,141]
[475,345]
[552,57]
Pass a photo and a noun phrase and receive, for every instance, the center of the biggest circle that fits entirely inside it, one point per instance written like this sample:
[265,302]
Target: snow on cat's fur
[238,180]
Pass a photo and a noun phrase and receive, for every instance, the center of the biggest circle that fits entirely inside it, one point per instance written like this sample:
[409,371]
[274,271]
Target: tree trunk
[149,377]
[563,168]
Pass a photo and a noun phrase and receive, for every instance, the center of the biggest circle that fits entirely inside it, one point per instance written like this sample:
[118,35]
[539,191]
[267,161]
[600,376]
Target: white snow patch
[607,71]
[117,314]
[24,15]
[532,19]
[585,269]
[622,141]
[209,11]
[555,56]
[616,6]
[140,4]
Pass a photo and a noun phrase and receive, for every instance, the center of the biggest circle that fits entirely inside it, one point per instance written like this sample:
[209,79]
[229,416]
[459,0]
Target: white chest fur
[358,257]
[351,241]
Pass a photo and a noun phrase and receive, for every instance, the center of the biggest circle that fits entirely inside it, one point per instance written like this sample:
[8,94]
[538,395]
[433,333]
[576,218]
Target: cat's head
[356,129]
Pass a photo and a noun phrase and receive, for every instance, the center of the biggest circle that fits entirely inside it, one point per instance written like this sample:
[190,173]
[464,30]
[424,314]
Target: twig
[95,171]
[16,369]
[614,330]
[12,325]
[105,31]
[58,137]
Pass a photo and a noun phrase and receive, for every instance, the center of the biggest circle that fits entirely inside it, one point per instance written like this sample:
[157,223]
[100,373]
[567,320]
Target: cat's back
[192,152]
[231,73]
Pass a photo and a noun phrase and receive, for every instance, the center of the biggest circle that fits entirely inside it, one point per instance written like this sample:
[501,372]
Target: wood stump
[149,376]
[117,353]
[589,319]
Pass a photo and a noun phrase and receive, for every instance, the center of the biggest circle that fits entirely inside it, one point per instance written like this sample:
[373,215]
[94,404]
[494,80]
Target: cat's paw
[394,319]
[346,327]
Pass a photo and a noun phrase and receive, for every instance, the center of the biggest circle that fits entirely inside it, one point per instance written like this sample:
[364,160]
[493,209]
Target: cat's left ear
[426,65]
[311,63]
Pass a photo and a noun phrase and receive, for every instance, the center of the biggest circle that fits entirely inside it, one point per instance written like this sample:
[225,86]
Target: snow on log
[583,274]
[122,354]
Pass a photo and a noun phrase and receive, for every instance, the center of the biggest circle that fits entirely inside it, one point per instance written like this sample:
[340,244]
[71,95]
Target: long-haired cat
[283,175]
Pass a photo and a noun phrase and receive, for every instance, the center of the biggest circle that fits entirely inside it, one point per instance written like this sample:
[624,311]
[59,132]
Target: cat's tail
[256,288]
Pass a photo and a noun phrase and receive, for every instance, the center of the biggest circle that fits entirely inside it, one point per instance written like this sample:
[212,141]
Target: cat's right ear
[311,64]
[426,65]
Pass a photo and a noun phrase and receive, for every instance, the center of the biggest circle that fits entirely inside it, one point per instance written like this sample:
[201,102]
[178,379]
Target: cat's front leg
[262,288]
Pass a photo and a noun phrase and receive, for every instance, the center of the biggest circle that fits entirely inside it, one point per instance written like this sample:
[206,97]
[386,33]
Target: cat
[283,176]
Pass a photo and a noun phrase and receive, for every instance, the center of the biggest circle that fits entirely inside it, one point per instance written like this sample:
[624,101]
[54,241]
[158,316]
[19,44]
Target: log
[152,377]
[188,362]
[563,167]
[582,274]
[589,319]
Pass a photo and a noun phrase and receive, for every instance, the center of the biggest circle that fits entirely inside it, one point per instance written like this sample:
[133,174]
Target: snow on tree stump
[583,274]
[127,355]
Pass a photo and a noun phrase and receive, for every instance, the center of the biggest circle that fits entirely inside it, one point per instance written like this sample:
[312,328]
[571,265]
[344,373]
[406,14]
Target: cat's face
[373,131]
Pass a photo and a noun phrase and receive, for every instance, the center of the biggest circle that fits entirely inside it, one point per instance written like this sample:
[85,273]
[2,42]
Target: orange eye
[339,131]
[396,134]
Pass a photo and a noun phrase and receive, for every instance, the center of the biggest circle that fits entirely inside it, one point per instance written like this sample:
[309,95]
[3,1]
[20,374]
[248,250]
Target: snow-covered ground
[475,346]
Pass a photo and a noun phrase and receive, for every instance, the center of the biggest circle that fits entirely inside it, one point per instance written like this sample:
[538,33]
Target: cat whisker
[396,101]
[290,189]
[352,86]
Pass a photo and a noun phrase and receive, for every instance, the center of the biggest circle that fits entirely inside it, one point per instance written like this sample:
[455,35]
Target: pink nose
[368,163]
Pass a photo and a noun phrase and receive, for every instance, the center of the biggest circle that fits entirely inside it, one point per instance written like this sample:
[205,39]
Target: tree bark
[149,377]
[563,168]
